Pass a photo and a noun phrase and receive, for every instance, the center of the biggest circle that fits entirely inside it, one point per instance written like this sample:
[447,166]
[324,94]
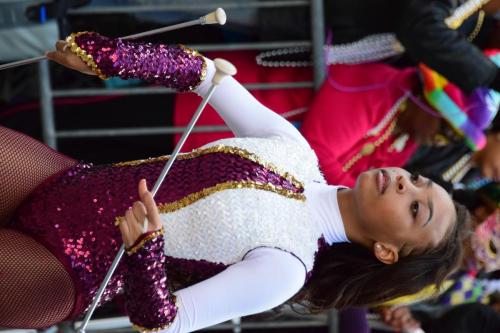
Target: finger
[395,324]
[70,60]
[405,318]
[139,211]
[412,324]
[388,315]
[124,230]
[50,55]
[142,188]
[133,225]
[57,57]
[150,204]
[61,45]
[399,312]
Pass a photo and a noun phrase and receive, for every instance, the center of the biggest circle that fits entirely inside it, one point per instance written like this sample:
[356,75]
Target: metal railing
[51,134]
[49,130]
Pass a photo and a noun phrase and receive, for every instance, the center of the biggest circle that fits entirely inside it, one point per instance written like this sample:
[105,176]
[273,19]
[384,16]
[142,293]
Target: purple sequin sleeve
[173,66]
[150,304]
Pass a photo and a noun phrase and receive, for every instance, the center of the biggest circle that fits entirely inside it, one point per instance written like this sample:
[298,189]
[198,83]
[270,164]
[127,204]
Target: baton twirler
[223,69]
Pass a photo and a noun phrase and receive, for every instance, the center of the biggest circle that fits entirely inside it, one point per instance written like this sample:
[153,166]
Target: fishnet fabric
[24,164]
[35,289]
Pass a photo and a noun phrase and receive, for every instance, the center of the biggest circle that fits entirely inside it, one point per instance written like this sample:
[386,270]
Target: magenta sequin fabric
[172,66]
[188,271]
[149,303]
[73,213]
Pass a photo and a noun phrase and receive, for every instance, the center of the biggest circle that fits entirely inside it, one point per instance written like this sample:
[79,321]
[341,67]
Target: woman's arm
[177,67]
[243,113]
[265,278]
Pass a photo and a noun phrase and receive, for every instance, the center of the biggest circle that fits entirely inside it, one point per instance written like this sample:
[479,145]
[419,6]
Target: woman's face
[407,211]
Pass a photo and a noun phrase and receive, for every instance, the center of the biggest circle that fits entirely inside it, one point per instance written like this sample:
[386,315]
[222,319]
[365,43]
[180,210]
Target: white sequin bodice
[225,225]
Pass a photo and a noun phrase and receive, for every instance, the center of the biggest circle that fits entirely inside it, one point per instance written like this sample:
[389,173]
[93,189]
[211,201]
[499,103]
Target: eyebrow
[429,203]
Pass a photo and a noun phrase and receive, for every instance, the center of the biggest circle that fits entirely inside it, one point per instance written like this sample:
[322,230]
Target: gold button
[368,149]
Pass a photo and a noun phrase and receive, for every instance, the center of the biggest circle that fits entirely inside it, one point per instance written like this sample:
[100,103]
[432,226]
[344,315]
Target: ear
[386,253]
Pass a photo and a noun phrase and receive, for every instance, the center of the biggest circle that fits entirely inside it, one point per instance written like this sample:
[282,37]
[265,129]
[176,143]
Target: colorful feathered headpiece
[470,114]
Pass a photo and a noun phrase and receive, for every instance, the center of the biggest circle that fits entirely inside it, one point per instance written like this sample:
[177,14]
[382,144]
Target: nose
[403,184]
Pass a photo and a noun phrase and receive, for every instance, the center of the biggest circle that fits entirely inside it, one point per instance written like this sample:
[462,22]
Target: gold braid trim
[145,330]
[82,54]
[140,245]
[463,12]
[193,197]
[219,149]
[197,54]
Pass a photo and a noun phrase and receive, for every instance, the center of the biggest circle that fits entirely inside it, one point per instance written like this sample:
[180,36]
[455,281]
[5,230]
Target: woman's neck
[324,209]
[350,218]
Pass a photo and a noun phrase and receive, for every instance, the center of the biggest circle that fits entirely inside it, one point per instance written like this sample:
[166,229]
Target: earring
[378,246]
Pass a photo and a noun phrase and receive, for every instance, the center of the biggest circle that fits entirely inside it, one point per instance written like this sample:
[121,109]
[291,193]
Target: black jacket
[420,27]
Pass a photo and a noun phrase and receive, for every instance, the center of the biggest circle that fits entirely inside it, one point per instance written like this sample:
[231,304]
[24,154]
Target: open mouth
[383,180]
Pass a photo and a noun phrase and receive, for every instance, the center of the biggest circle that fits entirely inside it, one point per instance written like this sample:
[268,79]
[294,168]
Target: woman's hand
[131,226]
[400,318]
[65,57]
[488,158]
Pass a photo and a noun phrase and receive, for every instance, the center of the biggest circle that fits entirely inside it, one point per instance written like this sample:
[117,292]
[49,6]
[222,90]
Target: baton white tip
[216,17]
[220,14]
[223,68]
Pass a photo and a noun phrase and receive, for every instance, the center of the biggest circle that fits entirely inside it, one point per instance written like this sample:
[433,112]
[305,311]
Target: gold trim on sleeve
[82,54]
[156,329]
[146,239]
[197,54]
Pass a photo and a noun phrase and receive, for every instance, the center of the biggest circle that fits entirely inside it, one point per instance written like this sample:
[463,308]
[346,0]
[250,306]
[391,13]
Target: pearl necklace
[368,49]
[260,58]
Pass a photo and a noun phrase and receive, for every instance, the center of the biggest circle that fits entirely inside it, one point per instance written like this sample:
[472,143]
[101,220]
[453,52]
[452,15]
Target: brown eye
[414,208]
[414,177]
[493,248]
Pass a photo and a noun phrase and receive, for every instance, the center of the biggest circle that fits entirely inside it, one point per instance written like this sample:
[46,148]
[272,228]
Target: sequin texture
[173,66]
[73,214]
[288,158]
[150,305]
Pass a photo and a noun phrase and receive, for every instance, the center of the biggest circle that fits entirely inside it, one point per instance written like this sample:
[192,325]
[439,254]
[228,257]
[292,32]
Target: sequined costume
[243,217]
